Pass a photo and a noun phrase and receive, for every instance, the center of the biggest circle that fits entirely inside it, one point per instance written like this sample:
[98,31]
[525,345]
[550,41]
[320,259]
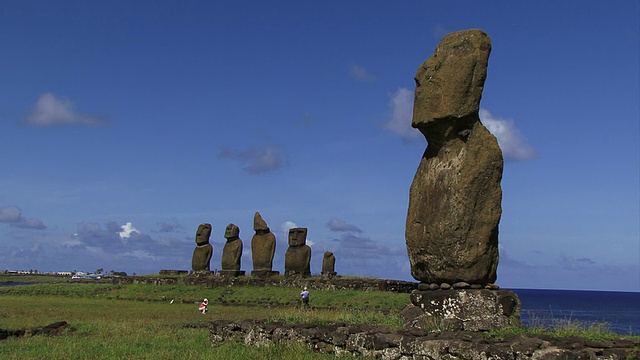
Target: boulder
[455,197]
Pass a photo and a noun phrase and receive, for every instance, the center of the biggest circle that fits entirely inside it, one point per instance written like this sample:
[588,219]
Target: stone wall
[383,343]
[314,282]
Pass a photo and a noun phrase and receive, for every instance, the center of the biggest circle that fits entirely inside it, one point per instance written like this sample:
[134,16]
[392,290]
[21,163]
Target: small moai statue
[297,259]
[329,264]
[232,252]
[200,261]
[263,248]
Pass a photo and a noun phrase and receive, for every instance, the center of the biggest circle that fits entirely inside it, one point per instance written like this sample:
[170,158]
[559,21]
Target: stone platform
[468,309]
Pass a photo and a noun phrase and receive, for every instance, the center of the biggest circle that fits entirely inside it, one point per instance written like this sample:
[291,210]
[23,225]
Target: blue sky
[124,125]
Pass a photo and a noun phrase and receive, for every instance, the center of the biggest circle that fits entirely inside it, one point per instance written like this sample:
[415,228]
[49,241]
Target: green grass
[134,322]
[567,327]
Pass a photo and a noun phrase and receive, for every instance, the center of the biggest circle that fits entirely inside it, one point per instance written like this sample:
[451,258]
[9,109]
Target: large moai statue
[201,259]
[232,252]
[263,248]
[455,198]
[297,259]
[328,264]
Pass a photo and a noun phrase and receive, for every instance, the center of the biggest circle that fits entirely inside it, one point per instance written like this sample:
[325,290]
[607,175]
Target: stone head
[203,234]
[297,236]
[328,254]
[259,224]
[449,84]
[232,232]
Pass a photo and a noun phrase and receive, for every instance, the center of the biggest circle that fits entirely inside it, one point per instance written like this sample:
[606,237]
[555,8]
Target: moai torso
[328,263]
[200,261]
[263,245]
[232,251]
[297,259]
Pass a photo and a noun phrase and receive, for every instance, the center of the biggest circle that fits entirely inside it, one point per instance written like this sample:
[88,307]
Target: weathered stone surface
[328,263]
[473,310]
[381,342]
[455,198]
[232,251]
[297,259]
[201,259]
[263,245]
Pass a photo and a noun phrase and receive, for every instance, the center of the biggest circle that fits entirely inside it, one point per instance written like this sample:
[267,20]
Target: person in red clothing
[204,306]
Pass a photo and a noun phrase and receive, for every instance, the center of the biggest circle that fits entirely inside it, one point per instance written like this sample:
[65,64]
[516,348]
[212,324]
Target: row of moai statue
[297,259]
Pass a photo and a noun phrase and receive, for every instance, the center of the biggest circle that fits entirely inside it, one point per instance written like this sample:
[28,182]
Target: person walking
[305,296]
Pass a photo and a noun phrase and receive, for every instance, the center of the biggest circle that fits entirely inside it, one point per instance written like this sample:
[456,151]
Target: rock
[297,259]
[461,285]
[364,341]
[328,264]
[424,286]
[445,286]
[455,198]
[263,247]
[232,251]
[472,310]
[201,259]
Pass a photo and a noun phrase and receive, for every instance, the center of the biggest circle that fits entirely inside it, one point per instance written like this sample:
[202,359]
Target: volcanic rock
[297,259]
[455,198]
[232,251]
[201,259]
[263,247]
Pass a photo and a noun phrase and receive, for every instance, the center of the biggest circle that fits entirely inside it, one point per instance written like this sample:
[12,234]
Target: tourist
[204,306]
[305,296]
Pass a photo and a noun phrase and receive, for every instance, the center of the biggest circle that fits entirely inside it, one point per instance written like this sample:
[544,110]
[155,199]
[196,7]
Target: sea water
[619,310]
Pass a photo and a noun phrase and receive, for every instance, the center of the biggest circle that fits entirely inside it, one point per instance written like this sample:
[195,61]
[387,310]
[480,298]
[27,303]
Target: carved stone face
[232,232]
[203,233]
[297,236]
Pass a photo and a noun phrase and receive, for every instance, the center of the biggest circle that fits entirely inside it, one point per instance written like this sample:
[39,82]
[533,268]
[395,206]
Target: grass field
[134,322]
[140,322]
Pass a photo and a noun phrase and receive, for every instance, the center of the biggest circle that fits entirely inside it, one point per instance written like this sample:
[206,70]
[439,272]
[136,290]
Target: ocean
[620,310]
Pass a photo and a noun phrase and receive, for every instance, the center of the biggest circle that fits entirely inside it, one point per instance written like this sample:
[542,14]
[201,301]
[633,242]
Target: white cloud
[361,74]
[50,110]
[286,226]
[514,146]
[127,229]
[401,104]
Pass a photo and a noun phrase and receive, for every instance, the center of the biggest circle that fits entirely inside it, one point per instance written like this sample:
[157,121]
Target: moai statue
[202,254]
[232,252]
[329,264]
[263,248]
[297,259]
[455,197]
